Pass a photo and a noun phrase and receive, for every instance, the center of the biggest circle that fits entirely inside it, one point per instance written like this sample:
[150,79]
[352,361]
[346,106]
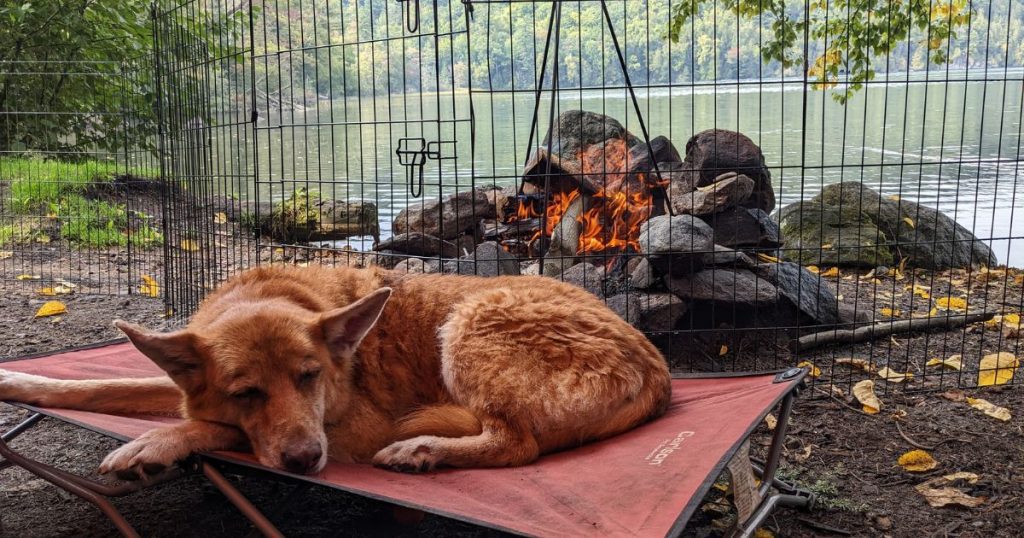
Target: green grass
[58,191]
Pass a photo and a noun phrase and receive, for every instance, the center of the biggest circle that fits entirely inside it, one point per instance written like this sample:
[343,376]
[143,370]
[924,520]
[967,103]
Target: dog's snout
[302,458]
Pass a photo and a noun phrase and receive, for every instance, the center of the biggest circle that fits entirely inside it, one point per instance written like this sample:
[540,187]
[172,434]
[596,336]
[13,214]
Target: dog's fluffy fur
[366,365]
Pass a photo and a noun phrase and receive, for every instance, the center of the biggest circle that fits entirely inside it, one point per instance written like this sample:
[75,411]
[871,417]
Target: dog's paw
[416,455]
[146,456]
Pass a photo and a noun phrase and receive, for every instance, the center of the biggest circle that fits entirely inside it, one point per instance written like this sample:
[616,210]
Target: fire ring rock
[736,286]
[717,151]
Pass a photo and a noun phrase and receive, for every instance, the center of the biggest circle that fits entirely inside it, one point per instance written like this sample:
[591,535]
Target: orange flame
[622,203]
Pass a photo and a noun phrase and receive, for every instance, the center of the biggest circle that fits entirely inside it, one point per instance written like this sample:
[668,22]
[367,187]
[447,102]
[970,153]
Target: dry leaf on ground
[814,370]
[990,409]
[51,308]
[938,491]
[189,245]
[891,312]
[864,391]
[922,292]
[954,362]
[4,254]
[954,395]
[861,364]
[27,277]
[830,272]
[951,303]
[220,218]
[893,376]
[723,350]
[997,369]
[771,421]
[149,287]
[917,461]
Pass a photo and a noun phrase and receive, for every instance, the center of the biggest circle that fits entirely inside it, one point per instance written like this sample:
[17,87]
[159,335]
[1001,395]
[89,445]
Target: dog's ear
[173,352]
[344,328]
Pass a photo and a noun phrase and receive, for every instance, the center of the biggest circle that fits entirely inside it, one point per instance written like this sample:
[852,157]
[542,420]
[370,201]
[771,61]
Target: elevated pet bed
[646,482]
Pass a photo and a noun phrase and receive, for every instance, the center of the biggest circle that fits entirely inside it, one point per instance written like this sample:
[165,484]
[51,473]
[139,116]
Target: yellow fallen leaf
[893,376]
[149,287]
[826,246]
[762,532]
[189,245]
[909,221]
[51,308]
[813,268]
[723,350]
[990,409]
[4,254]
[938,492]
[921,292]
[954,362]
[933,312]
[917,461]
[862,364]
[891,312]
[220,218]
[814,370]
[1011,318]
[766,258]
[996,321]
[951,303]
[771,421]
[47,292]
[830,272]
[864,391]
[43,238]
[997,369]
[27,277]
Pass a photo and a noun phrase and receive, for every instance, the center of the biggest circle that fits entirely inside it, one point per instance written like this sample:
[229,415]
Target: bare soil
[846,456]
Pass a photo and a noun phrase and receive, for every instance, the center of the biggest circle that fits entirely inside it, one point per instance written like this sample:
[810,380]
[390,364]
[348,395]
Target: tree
[852,32]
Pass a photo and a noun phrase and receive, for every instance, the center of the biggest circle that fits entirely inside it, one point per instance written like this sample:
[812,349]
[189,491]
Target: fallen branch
[885,328]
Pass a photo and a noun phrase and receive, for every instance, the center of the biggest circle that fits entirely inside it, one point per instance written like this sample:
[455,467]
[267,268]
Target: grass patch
[56,194]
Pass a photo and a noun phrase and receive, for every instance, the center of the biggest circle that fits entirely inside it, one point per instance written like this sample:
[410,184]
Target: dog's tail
[151,396]
[444,420]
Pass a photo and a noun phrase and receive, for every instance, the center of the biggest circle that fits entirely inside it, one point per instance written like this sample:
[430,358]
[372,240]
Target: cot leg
[241,502]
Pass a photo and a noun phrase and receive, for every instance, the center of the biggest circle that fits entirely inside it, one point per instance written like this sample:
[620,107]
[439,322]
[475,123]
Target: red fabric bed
[646,482]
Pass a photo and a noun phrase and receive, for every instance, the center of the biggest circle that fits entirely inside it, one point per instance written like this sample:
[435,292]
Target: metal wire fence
[748,202]
[79,189]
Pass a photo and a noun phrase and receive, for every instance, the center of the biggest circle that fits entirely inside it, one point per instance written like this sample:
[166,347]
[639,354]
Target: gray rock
[576,129]
[419,244]
[676,244]
[926,237]
[734,286]
[489,259]
[643,276]
[743,227]
[411,265]
[648,312]
[662,150]
[682,180]
[679,234]
[812,295]
[727,257]
[717,151]
[821,235]
[728,190]
[585,275]
[448,219]
[850,224]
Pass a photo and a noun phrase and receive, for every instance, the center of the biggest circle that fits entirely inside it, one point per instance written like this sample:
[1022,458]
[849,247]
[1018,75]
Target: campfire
[668,242]
[606,198]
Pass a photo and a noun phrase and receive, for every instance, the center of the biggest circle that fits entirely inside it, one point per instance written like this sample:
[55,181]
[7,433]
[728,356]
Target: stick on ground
[885,328]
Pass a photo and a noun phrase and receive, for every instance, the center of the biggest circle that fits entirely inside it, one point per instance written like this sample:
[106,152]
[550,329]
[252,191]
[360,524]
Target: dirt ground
[847,457]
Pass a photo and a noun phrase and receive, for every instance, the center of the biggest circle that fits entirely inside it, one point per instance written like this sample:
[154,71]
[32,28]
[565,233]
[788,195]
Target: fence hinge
[413,154]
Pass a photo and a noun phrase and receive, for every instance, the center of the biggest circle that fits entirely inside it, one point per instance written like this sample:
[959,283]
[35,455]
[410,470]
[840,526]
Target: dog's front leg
[160,448]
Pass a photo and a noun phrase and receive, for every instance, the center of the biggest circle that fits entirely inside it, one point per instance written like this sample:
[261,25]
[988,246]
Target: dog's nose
[302,458]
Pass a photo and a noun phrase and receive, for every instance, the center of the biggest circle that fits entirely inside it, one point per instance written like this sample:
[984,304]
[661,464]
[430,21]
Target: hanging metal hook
[412,15]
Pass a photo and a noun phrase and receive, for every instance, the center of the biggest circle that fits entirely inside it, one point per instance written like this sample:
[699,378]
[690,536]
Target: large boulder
[717,151]
[851,224]
[449,218]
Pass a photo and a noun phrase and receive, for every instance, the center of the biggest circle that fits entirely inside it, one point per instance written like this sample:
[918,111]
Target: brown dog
[366,365]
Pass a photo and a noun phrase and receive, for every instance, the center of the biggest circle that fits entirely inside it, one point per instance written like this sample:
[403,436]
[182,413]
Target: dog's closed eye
[248,393]
[308,377]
